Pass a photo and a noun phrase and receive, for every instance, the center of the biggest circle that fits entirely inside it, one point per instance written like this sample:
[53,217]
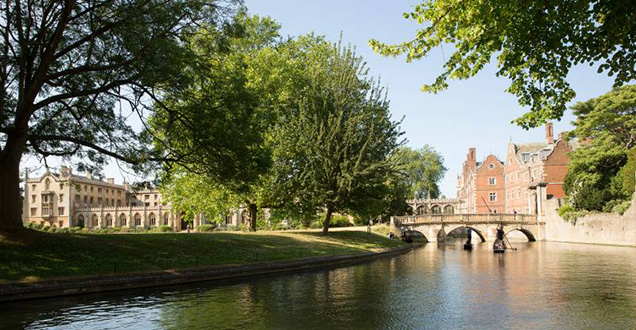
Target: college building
[531,174]
[65,199]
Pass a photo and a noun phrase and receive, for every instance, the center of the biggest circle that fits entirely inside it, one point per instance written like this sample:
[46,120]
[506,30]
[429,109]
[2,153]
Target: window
[34,211]
[518,192]
[119,202]
[47,184]
[493,196]
[61,186]
[491,166]
[77,199]
[118,193]
[85,199]
[153,220]
[85,188]
[45,211]
[91,200]
[99,190]
[155,196]
[61,200]
[91,188]
[61,223]
[99,201]
[45,198]
[122,220]
[109,220]
[492,181]
[137,219]
[33,187]
[146,197]
[32,198]
[60,211]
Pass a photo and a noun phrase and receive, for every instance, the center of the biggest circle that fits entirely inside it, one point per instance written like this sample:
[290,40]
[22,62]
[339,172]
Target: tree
[535,43]
[596,174]
[332,146]
[222,119]
[67,66]
[423,170]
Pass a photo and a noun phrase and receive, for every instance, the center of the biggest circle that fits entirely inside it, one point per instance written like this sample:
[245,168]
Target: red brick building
[480,186]
[512,187]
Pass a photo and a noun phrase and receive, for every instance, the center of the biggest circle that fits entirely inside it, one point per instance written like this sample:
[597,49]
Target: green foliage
[570,214]
[206,228]
[422,170]
[628,173]
[535,45]
[598,174]
[332,142]
[338,220]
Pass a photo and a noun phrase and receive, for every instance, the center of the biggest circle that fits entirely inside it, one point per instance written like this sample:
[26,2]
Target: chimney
[89,175]
[110,180]
[549,133]
[472,154]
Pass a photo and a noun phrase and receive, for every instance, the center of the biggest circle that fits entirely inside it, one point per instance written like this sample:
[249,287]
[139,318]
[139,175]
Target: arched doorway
[95,221]
[80,221]
[152,219]
[109,220]
[137,218]
[122,220]
[166,219]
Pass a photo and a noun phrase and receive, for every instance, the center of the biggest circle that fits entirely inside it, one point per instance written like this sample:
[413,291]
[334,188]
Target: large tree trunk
[10,199]
[253,209]
[327,221]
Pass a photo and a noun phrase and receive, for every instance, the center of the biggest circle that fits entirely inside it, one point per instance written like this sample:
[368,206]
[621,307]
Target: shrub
[52,229]
[621,208]
[206,228]
[165,229]
[116,230]
[46,228]
[339,221]
[232,228]
[85,230]
[628,173]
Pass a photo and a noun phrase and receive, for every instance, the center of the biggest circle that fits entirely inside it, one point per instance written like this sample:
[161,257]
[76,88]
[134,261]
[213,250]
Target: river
[539,286]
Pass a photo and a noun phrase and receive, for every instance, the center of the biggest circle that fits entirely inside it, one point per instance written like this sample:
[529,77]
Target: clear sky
[471,113]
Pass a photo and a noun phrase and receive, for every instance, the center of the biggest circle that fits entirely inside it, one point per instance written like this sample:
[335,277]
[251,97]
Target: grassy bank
[37,255]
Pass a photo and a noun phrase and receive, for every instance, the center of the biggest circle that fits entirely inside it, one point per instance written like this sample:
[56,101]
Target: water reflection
[541,286]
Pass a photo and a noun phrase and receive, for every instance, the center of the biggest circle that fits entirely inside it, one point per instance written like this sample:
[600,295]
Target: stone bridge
[435,227]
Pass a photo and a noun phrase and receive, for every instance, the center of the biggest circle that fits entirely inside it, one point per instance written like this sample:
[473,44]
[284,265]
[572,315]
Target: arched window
[436,209]
[137,219]
[109,220]
[80,221]
[153,220]
[122,220]
[166,219]
[448,209]
[95,221]
[47,183]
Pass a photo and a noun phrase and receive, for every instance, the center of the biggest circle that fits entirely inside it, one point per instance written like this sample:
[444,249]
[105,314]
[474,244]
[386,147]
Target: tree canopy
[69,71]
[333,139]
[423,169]
[598,177]
[535,44]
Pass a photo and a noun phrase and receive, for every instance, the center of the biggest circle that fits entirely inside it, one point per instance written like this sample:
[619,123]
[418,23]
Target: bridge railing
[481,218]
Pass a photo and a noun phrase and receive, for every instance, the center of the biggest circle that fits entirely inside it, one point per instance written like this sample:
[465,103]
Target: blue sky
[471,113]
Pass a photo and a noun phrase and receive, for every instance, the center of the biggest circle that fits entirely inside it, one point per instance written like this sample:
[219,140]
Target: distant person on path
[188,227]
[369,227]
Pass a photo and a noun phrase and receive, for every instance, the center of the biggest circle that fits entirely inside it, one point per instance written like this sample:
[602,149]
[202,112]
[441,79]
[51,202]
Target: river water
[539,286]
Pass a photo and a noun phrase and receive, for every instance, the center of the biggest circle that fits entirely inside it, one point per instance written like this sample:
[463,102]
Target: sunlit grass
[37,255]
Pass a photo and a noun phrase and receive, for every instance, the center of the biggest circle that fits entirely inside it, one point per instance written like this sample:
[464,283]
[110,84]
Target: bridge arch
[529,234]
[482,236]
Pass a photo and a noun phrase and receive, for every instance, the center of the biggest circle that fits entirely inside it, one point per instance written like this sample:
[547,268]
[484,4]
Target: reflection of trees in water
[307,300]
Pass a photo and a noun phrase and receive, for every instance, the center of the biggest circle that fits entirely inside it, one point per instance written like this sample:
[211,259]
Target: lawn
[37,255]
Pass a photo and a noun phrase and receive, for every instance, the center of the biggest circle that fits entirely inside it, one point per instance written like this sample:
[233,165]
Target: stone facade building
[65,199]
[68,200]
[434,206]
[480,186]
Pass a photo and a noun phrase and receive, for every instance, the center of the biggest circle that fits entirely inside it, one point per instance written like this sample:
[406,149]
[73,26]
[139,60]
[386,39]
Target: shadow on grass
[32,255]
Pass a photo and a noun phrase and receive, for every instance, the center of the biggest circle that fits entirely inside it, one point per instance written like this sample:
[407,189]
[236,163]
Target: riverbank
[39,265]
